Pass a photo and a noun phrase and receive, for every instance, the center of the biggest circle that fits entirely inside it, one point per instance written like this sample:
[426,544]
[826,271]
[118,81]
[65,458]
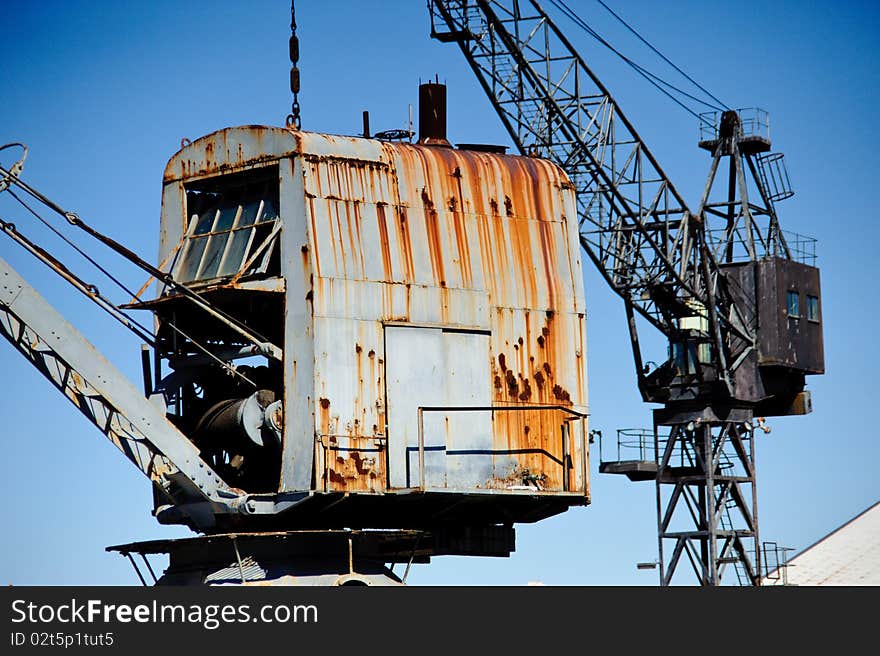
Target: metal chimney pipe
[432,114]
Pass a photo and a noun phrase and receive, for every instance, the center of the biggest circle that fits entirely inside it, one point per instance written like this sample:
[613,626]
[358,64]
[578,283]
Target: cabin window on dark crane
[792,304]
[812,308]
[230,219]
[688,356]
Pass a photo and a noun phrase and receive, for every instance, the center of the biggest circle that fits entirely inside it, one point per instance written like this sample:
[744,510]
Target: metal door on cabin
[438,368]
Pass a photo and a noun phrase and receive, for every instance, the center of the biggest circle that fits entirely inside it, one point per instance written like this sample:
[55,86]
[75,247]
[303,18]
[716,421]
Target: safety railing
[632,444]
[754,120]
[775,563]
[774,177]
[637,444]
[564,459]
[801,247]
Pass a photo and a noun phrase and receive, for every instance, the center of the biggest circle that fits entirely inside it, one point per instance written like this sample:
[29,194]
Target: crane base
[307,557]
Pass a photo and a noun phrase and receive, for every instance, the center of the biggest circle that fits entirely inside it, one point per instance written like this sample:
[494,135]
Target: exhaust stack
[432,114]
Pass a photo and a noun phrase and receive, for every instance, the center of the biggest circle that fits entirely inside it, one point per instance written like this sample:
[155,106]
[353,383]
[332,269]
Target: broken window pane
[206,221]
[225,211]
[235,253]
[249,213]
[213,253]
[226,217]
[269,212]
[189,264]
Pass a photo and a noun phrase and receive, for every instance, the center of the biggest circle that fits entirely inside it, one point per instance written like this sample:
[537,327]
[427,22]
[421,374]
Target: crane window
[688,356]
[230,218]
[812,308]
[792,304]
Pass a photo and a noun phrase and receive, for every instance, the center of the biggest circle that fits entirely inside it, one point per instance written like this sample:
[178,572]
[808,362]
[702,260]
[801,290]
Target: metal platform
[635,455]
[634,470]
[755,137]
[748,145]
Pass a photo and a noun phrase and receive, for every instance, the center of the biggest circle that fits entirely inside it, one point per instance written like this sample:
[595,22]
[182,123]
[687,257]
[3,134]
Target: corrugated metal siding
[435,236]
[400,233]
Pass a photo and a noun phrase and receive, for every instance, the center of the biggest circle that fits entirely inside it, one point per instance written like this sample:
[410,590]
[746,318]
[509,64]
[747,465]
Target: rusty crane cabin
[395,277]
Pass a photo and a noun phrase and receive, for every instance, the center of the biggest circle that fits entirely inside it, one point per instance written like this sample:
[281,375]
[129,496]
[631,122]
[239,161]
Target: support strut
[707,503]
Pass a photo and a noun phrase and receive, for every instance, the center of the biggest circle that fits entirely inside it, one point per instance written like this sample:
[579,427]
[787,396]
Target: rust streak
[435,245]
[548,251]
[384,244]
[350,249]
[359,244]
[405,245]
[464,254]
[314,235]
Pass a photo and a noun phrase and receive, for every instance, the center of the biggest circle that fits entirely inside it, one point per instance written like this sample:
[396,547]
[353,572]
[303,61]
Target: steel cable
[663,57]
[138,329]
[652,78]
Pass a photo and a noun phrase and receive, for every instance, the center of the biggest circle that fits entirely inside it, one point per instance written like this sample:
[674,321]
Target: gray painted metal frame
[110,401]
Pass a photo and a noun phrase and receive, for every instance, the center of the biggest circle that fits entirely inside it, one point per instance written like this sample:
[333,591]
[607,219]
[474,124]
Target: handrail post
[421,450]
[325,453]
[586,453]
[566,474]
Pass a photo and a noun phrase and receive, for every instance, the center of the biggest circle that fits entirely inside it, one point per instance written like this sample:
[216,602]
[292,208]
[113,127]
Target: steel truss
[707,503]
[634,224]
[665,261]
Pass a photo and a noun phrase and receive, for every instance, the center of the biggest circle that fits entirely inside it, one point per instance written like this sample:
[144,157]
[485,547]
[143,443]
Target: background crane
[714,293]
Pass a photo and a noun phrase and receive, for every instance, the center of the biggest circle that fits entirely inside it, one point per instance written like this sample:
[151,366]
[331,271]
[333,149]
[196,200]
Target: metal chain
[293,119]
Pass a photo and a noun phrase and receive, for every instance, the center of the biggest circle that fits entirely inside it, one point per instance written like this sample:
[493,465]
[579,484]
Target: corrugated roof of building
[849,555]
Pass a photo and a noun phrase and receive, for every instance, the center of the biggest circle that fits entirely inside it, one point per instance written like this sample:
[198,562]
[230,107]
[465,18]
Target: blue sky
[103,92]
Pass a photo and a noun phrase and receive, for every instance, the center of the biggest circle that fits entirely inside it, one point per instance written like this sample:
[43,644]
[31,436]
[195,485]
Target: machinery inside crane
[230,239]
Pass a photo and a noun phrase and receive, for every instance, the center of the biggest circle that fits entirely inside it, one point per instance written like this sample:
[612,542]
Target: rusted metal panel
[348,178]
[350,388]
[789,336]
[370,301]
[433,367]
[230,150]
[783,305]
[298,455]
[378,234]
[435,236]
